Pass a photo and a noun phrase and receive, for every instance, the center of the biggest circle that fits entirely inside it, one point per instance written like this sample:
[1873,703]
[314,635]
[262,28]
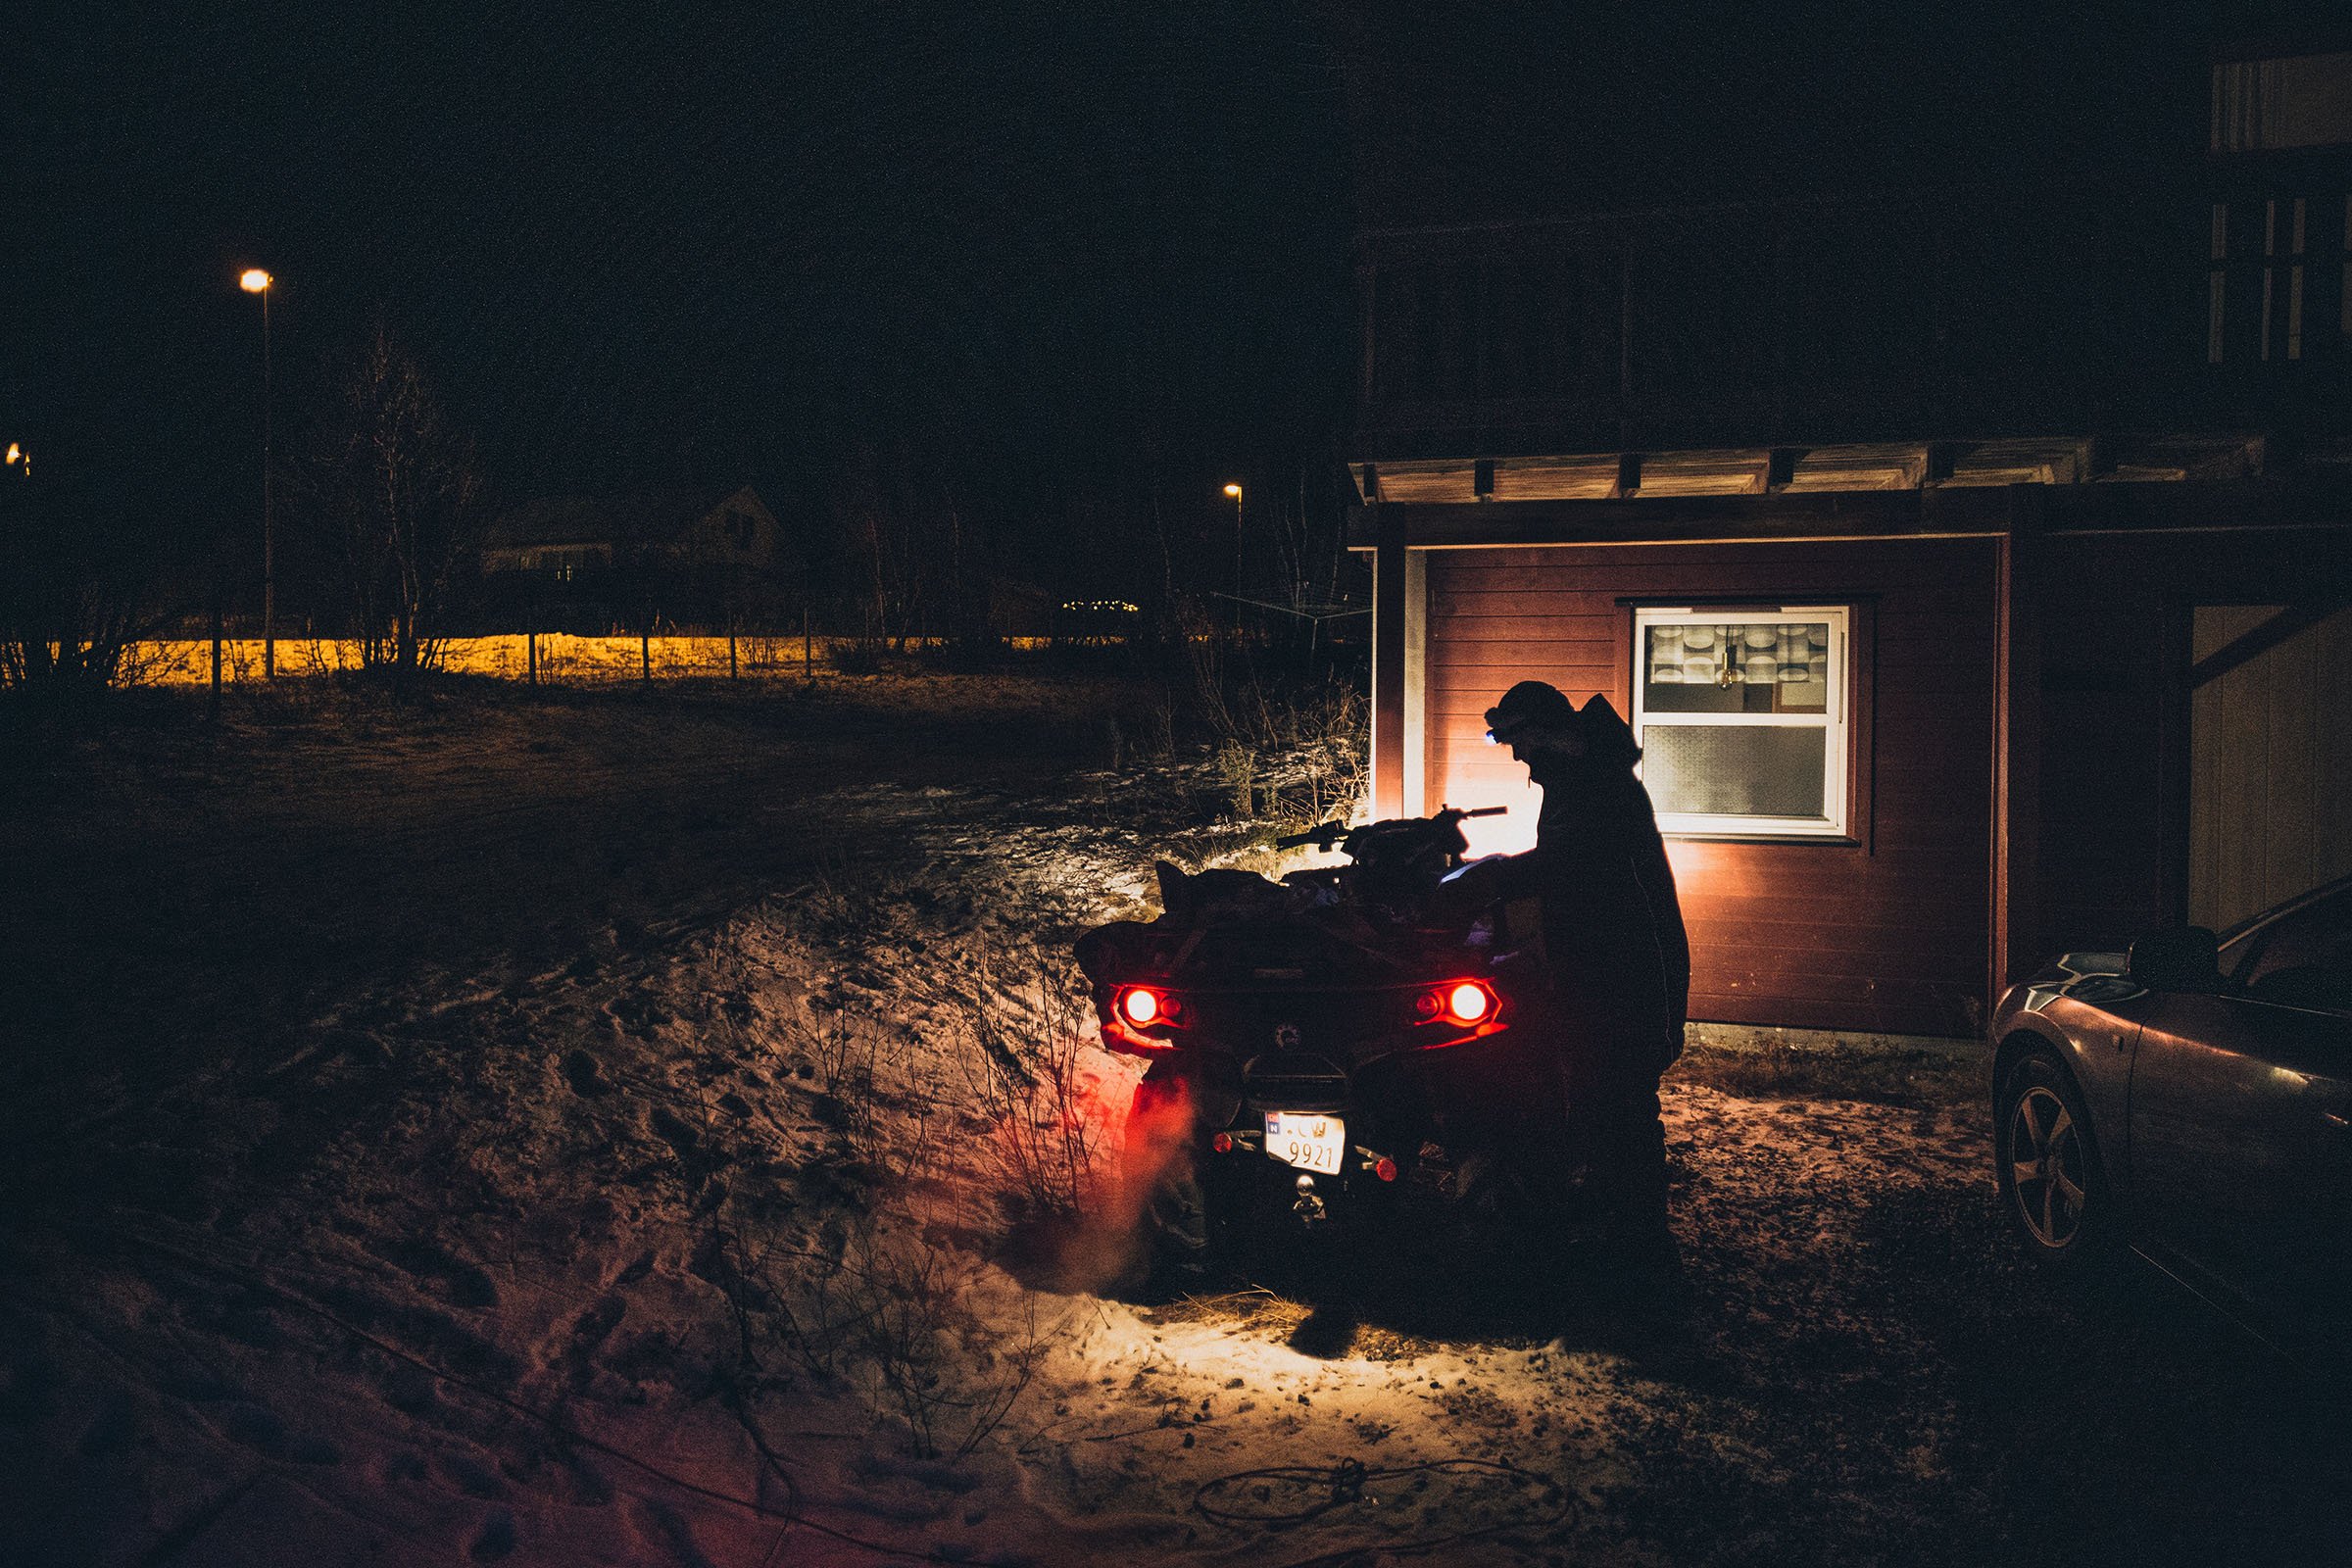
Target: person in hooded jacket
[1618,956]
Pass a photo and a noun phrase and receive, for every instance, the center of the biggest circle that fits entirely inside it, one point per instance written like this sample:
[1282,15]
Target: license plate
[1306,1141]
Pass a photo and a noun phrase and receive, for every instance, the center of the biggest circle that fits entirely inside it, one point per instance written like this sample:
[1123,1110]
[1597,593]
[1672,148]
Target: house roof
[606,519]
[2060,459]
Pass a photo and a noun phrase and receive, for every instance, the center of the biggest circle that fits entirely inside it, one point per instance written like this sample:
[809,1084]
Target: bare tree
[76,589]
[397,489]
[908,553]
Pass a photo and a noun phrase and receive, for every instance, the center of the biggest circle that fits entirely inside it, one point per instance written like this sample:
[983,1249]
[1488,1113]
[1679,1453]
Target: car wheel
[2050,1181]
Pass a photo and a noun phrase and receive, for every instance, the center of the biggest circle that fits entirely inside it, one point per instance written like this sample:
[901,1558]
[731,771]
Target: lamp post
[1235,491]
[257,282]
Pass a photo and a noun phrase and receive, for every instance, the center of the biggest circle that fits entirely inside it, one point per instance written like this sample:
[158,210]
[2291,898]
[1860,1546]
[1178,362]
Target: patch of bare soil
[604,1131]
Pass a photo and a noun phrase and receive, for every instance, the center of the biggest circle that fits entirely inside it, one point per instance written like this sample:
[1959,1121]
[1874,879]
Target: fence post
[212,709]
[645,652]
[731,650]
[807,647]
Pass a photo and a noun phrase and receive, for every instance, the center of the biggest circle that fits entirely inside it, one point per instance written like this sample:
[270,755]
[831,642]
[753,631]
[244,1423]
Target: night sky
[1055,249]
[643,247]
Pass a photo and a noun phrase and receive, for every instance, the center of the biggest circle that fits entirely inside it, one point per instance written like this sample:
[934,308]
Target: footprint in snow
[260,1428]
[496,1538]
[585,1074]
[408,1389]
[591,1328]
[110,1429]
[467,1284]
[472,1477]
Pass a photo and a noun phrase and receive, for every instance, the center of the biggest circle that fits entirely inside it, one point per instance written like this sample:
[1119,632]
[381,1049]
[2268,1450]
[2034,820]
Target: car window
[2303,959]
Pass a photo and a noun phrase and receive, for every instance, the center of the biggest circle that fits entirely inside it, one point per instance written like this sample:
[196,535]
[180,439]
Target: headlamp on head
[1530,705]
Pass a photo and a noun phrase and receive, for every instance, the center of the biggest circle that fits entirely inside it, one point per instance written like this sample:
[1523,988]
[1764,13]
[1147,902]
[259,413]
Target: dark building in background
[1973,559]
[591,564]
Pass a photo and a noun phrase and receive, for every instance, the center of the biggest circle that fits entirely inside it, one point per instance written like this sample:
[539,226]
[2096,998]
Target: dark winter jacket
[1613,934]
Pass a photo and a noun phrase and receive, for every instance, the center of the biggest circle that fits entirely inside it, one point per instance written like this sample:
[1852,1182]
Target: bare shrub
[1290,754]
[395,493]
[844,1048]
[949,1372]
[80,588]
[892,1311]
[860,657]
[1154,731]
[1025,1079]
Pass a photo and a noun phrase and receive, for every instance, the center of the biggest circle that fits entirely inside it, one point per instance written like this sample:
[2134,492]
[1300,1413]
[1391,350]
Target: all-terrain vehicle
[1328,1049]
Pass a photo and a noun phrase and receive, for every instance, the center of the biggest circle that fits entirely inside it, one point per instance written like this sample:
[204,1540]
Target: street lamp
[257,282]
[1235,491]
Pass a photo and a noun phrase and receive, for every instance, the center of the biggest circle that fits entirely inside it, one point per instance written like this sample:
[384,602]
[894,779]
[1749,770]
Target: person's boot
[1640,1265]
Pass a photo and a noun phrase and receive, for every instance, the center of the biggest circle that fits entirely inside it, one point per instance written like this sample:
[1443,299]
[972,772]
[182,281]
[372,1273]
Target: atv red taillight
[1143,1021]
[1144,1005]
[1462,1003]
[1468,1001]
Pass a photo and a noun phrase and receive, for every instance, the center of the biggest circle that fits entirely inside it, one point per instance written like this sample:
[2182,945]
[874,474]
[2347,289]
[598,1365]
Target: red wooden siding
[1886,934]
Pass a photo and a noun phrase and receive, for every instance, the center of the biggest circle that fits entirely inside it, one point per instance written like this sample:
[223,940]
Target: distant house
[688,556]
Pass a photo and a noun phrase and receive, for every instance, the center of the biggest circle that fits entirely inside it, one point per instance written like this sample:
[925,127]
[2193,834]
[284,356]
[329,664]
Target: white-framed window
[1743,717]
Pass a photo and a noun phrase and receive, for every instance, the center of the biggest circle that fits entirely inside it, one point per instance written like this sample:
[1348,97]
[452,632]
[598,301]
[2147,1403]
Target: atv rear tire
[1162,1157]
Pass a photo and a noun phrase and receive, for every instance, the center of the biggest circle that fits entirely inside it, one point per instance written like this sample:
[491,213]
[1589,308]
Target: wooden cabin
[592,561]
[1973,566]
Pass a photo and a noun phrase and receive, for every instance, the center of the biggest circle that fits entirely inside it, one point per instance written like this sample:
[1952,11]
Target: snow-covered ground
[624,1132]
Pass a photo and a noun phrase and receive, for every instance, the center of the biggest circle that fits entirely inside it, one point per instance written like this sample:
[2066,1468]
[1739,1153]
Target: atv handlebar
[1326,835]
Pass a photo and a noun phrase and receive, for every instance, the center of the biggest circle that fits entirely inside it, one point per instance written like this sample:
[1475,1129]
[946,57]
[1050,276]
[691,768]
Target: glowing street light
[255,282]
[17,454]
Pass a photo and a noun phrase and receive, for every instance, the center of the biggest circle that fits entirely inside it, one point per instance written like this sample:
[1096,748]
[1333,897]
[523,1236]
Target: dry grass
[1879,1074]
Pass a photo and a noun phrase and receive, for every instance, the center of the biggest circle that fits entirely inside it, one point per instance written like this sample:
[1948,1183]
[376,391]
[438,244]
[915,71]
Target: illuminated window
[1742,717]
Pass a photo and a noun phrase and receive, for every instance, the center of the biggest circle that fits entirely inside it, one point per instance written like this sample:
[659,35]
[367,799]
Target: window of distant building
[1743,717]
[2262,106]
[2284,224]
[2217,317]
[2260,276]
[2274,250]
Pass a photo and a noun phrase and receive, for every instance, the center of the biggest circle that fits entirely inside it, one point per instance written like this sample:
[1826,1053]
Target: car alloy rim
[2045,1168]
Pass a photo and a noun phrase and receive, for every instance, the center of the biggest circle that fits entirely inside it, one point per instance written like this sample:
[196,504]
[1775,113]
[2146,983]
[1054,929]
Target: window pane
[1737,769]
[1761,666]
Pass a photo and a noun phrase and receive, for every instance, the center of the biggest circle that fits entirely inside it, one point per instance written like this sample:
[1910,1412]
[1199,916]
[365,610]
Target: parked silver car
[2192,1101]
